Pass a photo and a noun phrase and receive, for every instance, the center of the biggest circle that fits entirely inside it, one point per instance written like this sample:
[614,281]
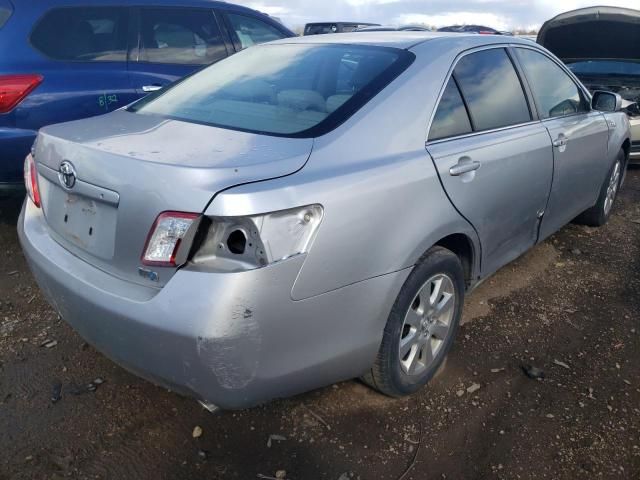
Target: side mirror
[632,109]
[606,101]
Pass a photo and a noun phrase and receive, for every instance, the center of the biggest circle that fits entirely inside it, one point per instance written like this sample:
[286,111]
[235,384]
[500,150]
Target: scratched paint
[233,353]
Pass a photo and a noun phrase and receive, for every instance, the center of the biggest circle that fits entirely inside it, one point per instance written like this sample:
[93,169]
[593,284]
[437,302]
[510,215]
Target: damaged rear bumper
[231,339]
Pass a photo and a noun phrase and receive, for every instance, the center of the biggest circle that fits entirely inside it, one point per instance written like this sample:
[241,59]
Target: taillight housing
[166,236]
[14,89]
[31,180]
[233,244]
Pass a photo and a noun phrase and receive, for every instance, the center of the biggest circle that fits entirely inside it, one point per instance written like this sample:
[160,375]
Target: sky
[499,14]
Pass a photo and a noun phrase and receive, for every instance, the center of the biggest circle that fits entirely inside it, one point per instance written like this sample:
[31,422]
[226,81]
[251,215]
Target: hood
[131,167]
[570,35]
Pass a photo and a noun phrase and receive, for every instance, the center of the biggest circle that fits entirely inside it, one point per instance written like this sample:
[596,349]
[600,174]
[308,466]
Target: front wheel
[599,214]
[421,326]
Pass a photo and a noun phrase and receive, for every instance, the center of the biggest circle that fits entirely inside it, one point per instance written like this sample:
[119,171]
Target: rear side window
[451,118]
[180,36]
[6,10]
[492,90]
[86,34]
[555,92]
[251,31]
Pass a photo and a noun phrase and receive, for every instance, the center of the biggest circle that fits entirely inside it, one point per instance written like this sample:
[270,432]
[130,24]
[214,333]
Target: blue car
[65,60]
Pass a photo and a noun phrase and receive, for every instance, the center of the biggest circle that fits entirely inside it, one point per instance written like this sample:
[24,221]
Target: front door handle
[151,88]
[464,167]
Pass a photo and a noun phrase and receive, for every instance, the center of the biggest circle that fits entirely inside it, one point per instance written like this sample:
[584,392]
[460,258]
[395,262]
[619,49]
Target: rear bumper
[15,144]
[233,339]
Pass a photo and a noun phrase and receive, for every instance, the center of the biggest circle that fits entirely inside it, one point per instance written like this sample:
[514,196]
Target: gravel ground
[570,307]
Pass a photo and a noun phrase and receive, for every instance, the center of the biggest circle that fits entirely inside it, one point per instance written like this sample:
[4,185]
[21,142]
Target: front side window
[451,117]
[491,87]
[180,36]
[285,90]
[85,34]
[556,94]
[251,31]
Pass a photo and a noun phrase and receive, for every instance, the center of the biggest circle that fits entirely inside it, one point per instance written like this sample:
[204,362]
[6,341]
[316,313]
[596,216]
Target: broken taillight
[165,237]
[235,244]
[31,180]
[14,89]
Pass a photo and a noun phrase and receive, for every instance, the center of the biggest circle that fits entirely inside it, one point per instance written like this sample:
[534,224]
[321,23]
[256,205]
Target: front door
[494,161]
[579,137]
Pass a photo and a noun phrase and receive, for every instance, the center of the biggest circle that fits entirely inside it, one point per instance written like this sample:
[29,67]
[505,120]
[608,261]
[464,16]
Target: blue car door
[172,42]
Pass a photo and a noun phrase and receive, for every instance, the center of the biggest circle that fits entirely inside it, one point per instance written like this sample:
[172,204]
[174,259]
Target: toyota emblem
[67,175]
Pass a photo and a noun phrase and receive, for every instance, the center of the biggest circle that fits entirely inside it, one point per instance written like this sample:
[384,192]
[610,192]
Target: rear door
[86,74]
[579,136]
[494,160]
[171,42]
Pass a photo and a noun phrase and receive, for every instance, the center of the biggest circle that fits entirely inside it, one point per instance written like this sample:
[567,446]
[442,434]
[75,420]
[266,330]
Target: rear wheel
[599,214]
[421,326]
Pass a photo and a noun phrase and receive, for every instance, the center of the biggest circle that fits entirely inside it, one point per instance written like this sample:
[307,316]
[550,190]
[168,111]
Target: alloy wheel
[427,324]
[612,188]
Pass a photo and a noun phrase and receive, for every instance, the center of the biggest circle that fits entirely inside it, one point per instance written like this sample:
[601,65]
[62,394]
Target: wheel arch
[464,247]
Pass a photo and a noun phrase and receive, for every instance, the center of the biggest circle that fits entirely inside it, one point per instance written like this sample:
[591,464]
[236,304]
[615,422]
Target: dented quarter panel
[383,203]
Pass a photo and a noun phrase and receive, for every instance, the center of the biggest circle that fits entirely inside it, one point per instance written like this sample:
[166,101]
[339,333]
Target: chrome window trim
[482,132]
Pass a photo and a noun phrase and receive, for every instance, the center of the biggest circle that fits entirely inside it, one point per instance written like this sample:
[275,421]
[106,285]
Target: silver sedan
[314,209]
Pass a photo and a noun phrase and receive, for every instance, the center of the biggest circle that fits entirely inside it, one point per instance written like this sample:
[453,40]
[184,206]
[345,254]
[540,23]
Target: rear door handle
[151,88]
[464,167]
[561,141]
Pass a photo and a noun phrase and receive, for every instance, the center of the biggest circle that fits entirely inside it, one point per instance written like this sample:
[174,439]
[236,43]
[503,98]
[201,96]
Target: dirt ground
[569,307]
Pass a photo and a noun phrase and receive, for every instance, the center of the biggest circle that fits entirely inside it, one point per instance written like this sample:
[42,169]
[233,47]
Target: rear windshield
[282,90]
[606,68]
[6,10]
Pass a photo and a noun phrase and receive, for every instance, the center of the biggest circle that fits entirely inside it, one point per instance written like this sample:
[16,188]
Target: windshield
[284,90]
[605,67]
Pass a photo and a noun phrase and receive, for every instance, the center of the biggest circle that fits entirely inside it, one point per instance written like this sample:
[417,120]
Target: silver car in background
[314,209]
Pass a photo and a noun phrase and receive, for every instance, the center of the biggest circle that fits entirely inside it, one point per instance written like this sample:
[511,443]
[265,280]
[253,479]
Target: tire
[422,323]
[599,214]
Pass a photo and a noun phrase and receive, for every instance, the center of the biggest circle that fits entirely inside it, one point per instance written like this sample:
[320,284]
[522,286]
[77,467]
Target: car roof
[402,39]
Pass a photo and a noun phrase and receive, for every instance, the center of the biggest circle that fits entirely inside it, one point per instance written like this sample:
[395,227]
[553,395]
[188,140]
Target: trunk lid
[129,168]
[570,35]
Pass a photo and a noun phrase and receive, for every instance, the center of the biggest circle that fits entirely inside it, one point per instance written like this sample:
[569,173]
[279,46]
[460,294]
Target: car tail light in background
[31,180]
[14,89]
[165,237]
[232,244]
